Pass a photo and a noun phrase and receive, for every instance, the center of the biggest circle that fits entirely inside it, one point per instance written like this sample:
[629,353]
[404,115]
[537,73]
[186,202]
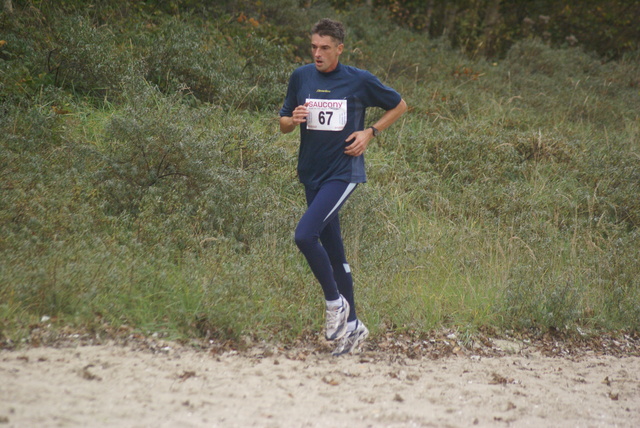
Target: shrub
[245,72]
[89,59]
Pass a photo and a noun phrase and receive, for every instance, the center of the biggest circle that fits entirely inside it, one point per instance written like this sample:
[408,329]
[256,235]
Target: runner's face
[326,52]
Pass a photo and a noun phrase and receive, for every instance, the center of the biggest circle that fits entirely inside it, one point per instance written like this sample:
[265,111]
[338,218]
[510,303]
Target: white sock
[334,304]
[351,325]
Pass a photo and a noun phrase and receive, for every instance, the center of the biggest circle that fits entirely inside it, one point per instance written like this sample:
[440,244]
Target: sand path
[111,385]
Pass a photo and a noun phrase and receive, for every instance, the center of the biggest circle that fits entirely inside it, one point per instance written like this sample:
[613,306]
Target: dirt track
[169,385]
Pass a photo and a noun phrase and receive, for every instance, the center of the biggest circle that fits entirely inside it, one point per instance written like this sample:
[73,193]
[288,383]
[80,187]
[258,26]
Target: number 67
[325,116]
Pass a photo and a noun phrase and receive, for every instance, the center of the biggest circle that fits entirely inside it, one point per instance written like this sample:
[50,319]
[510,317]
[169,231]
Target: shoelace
[333,316]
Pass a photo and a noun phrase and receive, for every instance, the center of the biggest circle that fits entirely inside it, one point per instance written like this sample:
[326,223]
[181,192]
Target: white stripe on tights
[346,193]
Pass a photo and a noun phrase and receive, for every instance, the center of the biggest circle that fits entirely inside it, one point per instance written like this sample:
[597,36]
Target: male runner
[328,100]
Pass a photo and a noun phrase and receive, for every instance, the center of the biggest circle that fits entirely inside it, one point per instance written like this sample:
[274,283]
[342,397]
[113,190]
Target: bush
[245,72]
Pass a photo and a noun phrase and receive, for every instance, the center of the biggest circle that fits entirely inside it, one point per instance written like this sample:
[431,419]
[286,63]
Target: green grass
[507,197]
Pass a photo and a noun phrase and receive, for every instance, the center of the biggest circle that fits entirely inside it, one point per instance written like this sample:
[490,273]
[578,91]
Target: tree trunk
[427,25]
[491,18]
[8,7]
[450,12]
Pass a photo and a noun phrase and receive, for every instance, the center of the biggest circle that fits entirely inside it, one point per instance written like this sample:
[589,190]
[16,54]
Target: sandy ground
[169,385]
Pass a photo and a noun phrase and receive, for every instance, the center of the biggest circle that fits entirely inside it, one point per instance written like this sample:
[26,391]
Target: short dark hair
[329,27]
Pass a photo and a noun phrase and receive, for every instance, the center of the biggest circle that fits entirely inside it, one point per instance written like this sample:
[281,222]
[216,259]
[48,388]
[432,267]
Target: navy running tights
[319,239]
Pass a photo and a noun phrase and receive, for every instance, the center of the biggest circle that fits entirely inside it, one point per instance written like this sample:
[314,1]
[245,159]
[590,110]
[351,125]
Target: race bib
[326,115]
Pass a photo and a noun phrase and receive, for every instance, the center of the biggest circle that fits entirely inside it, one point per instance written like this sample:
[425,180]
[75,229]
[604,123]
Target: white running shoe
[352,341]
[336,322]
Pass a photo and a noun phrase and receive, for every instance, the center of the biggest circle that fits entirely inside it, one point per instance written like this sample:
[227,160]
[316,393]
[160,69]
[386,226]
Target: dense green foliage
[491,27]
[144,180]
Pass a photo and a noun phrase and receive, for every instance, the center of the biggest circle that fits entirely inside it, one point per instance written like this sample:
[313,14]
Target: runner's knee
[305,240]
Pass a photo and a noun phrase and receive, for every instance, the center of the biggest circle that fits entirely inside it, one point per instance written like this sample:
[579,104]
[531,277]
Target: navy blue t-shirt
[322,137]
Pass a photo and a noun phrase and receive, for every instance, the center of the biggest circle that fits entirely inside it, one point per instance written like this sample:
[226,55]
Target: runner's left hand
[358,142]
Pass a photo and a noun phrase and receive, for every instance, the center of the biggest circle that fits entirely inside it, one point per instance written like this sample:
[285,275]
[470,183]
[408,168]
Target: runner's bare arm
[289,123]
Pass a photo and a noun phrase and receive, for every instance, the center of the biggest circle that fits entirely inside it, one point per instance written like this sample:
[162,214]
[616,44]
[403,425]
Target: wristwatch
[375,131]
